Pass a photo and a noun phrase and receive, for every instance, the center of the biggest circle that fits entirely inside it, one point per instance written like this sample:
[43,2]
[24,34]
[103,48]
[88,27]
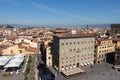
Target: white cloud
[44,7]
[47,8]
[51,10]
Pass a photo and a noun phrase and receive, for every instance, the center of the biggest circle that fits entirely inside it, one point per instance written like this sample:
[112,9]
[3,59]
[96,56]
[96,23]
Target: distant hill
[100,25]
[6,26]
[62,25]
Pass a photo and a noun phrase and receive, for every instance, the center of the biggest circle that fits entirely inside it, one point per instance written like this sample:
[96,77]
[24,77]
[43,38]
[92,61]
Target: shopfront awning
[88,63]
[70,67]
[82,65]
[85,64]
[63,69]
[74,66]
[72,71]
[12,64]
[66,67]
[91,63]
[5,59]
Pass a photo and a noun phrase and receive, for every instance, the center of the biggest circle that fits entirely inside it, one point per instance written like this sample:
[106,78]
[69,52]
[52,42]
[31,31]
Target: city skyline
[59,12]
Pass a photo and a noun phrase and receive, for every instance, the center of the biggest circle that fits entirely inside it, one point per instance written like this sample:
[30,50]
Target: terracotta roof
[12,37]
[24,34]
[98,42]
[3,47]
[116,39]
[7,43]
[1,39]
[60,31]
[117,47]
[20,46]
[1,36]
[36,40]
[103,39]
[28,38]
[45,39]
[35,35]
[24,43]
[46,46]
[31,49]
[75,35]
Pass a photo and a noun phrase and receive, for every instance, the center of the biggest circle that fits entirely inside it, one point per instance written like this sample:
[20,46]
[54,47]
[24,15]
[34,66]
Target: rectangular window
[11,52]
[74,42]
[20,51]
[66,43]
[99,51]
[74,49]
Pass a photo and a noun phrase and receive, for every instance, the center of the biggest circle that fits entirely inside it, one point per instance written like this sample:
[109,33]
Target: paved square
[98,72]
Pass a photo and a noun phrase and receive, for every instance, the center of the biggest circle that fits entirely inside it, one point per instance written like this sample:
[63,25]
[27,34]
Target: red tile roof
[25,43]
[75,35]
[60,31]
[3,47]
[13,37]
[116,39]
[20,46]
[31,49]
[45,39]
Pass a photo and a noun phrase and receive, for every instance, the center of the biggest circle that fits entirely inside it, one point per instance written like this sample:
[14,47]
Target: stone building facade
[117,50]
[103,47]
[48,56]
[115,28]
[74,50]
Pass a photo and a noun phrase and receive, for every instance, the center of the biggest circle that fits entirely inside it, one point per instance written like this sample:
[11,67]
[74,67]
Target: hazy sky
[59,11]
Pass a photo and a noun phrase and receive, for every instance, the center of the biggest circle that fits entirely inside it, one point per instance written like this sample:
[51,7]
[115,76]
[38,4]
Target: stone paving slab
[98,72]
[13,77]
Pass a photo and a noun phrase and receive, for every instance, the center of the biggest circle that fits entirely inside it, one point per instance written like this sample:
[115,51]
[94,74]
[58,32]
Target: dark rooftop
[68,35]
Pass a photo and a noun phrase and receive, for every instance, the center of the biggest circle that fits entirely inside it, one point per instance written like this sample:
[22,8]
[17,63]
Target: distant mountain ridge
[63,25]
[6,26]
[101,25]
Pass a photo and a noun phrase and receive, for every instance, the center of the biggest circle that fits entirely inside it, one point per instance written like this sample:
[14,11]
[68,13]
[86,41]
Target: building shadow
[45,73]
[110,58]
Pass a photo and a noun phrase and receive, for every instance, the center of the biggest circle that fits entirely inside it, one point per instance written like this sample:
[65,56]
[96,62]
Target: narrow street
[44,72]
